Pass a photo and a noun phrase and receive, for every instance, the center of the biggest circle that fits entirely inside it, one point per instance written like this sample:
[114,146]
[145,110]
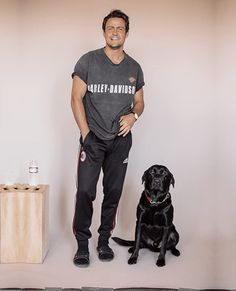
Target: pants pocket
[86,138]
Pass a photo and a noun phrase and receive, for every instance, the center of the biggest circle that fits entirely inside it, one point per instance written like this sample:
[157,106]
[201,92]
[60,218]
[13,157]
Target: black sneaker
[81,259]
[105,253]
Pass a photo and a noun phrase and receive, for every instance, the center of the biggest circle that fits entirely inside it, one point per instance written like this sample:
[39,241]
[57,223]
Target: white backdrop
[186,49]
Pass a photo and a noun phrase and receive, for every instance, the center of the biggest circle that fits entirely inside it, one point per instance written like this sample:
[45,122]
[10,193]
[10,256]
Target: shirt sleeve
[81,68]
[140,79]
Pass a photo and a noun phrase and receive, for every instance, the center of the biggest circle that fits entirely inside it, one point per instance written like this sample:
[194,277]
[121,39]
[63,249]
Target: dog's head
[158,179]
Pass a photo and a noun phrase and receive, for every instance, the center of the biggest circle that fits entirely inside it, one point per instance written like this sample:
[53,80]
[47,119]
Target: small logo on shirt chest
[132,80]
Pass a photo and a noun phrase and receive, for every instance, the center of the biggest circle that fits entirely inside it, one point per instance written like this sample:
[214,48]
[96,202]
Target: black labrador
[154,226]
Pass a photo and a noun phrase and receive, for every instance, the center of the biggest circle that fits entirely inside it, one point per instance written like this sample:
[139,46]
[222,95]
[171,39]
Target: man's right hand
[84,134]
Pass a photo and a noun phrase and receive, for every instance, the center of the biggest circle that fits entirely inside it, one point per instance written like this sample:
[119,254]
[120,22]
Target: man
[107,99]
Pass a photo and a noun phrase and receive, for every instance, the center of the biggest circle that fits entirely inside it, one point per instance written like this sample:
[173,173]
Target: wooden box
[24,223]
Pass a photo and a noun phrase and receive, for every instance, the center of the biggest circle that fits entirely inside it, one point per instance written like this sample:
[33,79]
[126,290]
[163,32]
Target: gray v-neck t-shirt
[110,90]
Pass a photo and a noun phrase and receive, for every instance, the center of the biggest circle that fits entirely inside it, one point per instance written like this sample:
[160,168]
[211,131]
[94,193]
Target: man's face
[115,33]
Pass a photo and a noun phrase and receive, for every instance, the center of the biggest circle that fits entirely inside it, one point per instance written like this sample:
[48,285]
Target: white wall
[225,117]
[225,214]
[186,115]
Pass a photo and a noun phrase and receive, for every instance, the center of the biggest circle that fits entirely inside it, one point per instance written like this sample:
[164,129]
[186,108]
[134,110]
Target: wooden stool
[24,223]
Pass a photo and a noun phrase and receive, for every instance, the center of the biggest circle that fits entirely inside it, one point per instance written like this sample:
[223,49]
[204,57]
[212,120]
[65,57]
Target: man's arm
[79,89]
[127,121]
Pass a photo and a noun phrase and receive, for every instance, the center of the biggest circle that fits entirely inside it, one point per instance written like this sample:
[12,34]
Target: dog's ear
[144,177]
[172,181]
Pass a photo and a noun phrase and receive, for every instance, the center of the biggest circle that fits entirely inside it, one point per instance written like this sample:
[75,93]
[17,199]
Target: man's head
[116,14]
[115,29]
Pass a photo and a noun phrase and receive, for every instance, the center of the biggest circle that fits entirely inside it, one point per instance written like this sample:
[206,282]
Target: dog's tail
[123,242]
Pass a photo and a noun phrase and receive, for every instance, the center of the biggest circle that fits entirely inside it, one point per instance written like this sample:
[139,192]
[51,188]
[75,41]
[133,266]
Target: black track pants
[112,157]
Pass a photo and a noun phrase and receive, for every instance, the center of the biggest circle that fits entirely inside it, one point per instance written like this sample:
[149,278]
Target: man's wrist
[135,114]
[84,132]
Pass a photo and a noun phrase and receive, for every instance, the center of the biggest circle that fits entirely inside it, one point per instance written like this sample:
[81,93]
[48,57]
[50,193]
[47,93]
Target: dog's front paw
[131,250]
[160,262]
[132,260]
[175,252]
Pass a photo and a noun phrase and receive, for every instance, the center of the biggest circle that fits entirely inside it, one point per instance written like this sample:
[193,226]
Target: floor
[197,267]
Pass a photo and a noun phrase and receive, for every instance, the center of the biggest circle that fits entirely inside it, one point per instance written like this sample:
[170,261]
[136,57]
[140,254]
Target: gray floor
[199,266]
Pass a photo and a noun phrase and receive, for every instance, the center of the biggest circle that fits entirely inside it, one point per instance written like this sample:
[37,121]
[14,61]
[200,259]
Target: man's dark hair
[116,14]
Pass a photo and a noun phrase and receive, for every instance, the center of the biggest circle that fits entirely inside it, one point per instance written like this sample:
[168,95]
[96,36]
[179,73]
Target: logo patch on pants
[83,156]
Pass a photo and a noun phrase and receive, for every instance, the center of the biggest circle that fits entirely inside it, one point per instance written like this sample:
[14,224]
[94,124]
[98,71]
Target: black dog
[154,226]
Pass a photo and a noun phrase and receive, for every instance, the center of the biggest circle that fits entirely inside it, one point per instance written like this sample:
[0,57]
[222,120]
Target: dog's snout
[156,183]
[157,180]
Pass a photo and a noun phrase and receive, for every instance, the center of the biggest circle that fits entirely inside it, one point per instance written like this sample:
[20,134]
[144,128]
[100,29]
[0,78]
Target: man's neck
[115,55]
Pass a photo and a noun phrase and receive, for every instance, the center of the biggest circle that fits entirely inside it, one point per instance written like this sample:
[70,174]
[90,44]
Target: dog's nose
[156,183]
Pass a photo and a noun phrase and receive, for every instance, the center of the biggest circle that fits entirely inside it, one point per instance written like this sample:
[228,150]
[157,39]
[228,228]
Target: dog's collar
[149,199]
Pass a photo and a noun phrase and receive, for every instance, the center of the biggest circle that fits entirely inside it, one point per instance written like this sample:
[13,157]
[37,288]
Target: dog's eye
[153,171]
[162,172]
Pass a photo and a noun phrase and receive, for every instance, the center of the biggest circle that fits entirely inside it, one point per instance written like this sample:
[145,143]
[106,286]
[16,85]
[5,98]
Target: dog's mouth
[157,185]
